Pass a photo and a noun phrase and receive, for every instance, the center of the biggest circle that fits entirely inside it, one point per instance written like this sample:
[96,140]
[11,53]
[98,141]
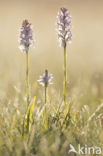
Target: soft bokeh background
[85,54]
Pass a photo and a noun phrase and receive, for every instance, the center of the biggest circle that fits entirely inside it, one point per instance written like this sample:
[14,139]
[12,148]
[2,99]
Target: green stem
[27,82]
[45,111]
[65,79]
[45,94]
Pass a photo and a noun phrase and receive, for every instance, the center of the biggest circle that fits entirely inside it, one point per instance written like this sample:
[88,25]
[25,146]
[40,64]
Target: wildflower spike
[64,27]
[46,79]
[25,41]
[64,36]
[26,36]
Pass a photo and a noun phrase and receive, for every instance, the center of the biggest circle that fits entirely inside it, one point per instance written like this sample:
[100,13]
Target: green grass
[75,128]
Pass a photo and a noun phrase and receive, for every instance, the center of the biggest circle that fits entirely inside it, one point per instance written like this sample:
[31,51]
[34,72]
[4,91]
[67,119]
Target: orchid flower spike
[45,79]
[26,36]
[64,27]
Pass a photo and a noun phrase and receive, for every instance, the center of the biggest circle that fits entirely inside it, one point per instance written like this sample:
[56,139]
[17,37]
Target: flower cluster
[26,36]
[46,79]
[64,27]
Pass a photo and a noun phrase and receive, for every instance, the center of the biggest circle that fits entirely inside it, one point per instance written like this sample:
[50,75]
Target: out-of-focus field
[85,77]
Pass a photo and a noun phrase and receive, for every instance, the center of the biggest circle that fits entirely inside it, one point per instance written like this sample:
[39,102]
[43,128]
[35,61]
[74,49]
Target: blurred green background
[85,54]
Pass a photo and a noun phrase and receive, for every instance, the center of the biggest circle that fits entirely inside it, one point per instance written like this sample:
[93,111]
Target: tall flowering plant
[25,41]
[64,36]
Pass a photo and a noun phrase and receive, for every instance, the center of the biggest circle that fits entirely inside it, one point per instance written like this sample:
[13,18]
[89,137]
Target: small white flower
[45,79]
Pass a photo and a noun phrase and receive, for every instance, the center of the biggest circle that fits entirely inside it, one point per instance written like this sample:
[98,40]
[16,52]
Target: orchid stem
[27,82]
[45,111]
[65,79]
[45,94]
